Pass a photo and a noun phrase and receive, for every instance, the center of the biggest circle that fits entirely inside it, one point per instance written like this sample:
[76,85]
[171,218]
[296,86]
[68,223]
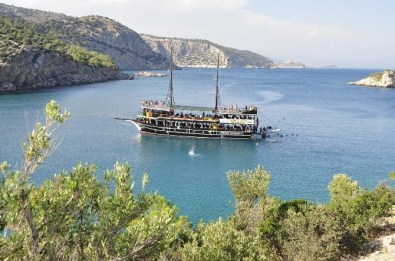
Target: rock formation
[36,69]
[381,79]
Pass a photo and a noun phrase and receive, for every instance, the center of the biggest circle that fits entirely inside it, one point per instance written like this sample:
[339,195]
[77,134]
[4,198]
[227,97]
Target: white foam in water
[192,152]
[270,96]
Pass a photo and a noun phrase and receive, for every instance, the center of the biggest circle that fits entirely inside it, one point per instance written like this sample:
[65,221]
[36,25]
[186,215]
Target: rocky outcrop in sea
[36,69]
[384,79]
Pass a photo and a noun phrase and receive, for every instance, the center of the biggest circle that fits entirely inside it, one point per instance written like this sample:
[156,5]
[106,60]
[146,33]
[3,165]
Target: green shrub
[359,209]
[73,216]
[312,233]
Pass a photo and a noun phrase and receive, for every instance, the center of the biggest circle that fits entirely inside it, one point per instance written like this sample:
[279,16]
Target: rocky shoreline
[384,79]
[149,74]
[32,69]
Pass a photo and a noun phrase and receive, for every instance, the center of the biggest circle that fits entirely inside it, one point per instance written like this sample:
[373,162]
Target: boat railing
[203,126]
[193,118]
[185,117]
[236,110]
[196,118]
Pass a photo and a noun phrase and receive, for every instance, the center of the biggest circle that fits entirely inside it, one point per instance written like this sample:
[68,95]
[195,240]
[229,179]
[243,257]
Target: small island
[384,79]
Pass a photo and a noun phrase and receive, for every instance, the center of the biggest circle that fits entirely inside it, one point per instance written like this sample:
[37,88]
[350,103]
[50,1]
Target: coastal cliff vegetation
[128,49]
[15,35]
[32,59]
[74,216]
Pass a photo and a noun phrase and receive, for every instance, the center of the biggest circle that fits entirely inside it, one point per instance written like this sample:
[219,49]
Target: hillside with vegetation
[95,33]
[31,60]
[74,216]
[41,49]
[128,49]
[19,34]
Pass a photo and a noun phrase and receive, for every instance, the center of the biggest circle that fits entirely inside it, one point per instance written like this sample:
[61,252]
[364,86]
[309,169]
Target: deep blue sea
[329,127]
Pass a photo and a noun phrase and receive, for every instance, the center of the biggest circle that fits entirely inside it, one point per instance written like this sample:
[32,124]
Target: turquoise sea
[329,127]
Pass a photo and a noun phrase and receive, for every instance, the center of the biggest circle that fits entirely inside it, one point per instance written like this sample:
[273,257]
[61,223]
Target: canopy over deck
[192,108]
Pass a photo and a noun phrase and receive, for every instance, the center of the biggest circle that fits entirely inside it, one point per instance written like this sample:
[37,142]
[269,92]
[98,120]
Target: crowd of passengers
[153,104]
[191,116]
[227,109]
[236,109]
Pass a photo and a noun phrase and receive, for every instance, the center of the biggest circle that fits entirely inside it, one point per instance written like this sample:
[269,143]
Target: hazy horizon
[348,34]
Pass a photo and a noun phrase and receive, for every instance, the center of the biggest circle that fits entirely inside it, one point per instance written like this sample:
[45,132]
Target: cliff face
[381,79]
[202,53]
[34,69]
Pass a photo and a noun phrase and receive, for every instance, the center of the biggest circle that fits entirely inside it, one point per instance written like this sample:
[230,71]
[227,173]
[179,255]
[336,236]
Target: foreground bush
[73,216]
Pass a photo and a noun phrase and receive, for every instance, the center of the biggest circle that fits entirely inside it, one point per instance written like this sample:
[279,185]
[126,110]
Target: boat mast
[170,98]
[217,89]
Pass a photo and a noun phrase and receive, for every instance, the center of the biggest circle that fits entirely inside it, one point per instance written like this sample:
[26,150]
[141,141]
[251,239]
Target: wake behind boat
[168,119]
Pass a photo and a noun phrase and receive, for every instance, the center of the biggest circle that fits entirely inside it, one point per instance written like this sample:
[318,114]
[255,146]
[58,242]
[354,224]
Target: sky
[346,33]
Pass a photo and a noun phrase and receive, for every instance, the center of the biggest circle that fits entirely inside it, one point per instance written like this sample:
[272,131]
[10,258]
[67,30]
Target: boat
[165,118]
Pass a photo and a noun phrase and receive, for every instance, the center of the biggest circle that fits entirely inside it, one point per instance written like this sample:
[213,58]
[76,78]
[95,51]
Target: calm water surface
[329,127]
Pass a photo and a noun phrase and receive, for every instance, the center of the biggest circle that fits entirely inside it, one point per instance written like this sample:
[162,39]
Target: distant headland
[288,65]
